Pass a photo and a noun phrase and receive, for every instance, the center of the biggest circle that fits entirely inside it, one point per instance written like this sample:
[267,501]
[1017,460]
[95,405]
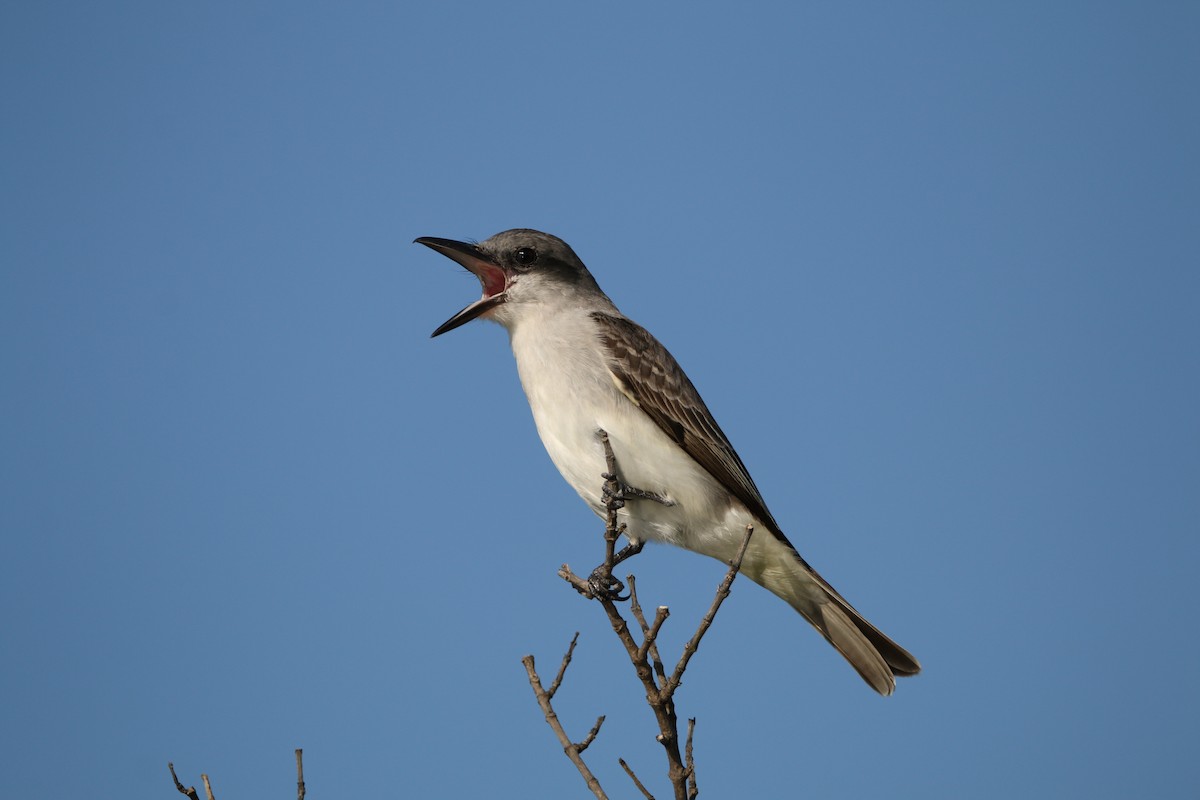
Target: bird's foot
[606,585]
[615,493]
[611,494]
[603,583]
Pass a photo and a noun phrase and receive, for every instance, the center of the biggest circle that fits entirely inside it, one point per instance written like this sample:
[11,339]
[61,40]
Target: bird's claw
[615,493]
[604,584]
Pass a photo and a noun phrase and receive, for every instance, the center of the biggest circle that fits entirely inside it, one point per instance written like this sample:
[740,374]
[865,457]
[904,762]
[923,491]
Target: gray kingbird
[586,367]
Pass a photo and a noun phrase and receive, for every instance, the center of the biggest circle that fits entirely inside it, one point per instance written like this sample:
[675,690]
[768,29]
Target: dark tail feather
[876,657]
[900,660]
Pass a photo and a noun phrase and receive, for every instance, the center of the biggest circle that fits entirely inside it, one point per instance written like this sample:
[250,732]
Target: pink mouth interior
[492,280]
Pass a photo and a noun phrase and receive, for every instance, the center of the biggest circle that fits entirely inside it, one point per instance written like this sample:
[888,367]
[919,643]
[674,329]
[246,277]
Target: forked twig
[636,608]
[570,748]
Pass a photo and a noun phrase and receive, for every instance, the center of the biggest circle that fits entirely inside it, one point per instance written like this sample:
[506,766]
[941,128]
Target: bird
[585,368]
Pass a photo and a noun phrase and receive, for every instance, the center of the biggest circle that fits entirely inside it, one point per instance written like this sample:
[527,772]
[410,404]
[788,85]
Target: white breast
[572,395]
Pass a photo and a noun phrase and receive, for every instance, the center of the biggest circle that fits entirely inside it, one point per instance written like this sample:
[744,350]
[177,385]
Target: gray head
[516,268]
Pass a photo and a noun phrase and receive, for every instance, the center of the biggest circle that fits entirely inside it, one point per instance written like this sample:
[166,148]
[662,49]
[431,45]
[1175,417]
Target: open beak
[491,277]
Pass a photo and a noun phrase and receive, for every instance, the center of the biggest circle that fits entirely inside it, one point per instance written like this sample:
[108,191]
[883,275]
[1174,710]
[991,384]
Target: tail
[876,657]
[779,568]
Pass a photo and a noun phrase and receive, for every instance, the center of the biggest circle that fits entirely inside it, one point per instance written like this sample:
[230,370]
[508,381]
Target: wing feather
[649,375]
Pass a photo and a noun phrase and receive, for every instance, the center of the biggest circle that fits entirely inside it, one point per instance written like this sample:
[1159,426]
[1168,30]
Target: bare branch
[189,791]
[568,746]
[207,786]
[693,644]
[646,794]
[660,702]
[660,688]
[563,668]
[299,774]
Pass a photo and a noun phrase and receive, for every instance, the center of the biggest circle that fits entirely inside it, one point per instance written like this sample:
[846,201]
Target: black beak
[491,276]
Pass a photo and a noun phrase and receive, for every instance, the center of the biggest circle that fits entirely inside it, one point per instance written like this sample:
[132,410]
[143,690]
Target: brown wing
[652,378]
[648,374]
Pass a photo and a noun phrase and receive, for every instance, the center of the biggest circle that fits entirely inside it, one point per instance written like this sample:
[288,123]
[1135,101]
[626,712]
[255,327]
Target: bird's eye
[526,256]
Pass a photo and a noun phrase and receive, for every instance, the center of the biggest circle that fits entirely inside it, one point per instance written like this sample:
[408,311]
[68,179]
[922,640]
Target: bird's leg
[613,495]
[615,491]
[602,581]
[628,551]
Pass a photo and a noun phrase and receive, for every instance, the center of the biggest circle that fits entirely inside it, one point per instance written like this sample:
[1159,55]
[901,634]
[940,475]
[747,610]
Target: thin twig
[636,608]
[190,791]
[568,746]
[299,774]
[693,790]
[566,661]
[612,530]
[646,794]
[635,605]
[591,737]
[651,635]
[207,786]
[580,585]
[693,644]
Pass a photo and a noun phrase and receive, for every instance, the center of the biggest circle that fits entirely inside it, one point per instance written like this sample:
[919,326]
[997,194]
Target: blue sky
[932,266]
